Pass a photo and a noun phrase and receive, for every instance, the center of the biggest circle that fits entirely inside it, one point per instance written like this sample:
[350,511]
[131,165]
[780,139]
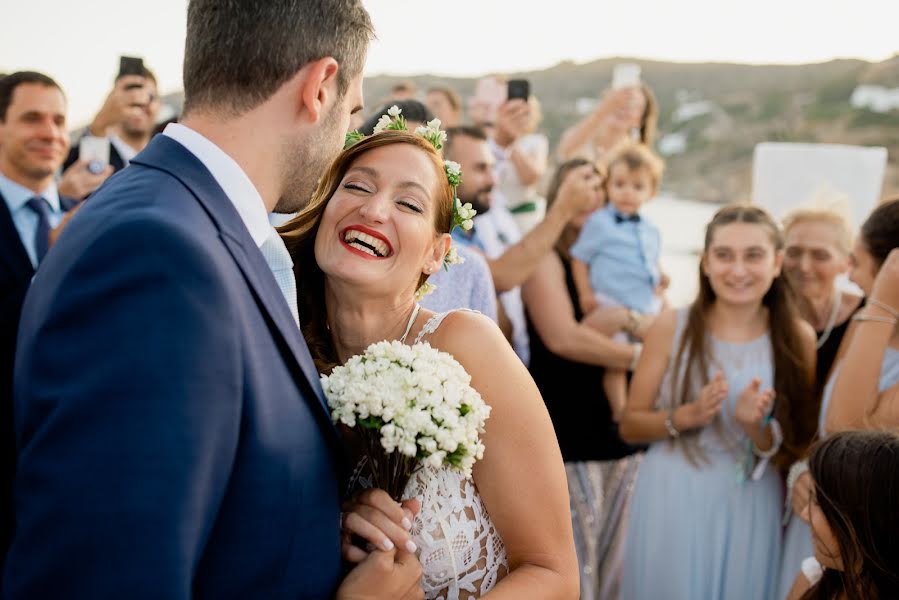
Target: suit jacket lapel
[12,251]
[165,154]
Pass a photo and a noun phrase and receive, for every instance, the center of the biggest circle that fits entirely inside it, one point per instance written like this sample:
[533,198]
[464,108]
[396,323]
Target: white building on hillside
[876,98]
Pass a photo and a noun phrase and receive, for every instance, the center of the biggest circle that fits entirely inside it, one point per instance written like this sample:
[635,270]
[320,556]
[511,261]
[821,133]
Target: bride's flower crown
[463,214]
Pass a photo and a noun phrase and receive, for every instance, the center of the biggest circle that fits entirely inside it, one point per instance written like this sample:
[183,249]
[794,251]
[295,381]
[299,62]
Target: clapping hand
[377,519]
[753,405]
[707,405]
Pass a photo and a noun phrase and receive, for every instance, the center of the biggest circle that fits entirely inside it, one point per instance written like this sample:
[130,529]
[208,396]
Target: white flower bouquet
[411,406]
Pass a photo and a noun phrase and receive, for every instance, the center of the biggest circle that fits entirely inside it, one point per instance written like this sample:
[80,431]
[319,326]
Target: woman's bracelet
[777,439]
[673,432]
[874,319]
[883,306]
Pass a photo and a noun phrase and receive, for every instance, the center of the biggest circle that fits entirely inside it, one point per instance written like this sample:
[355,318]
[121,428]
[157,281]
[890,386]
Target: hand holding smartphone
[518,89]
[94,151]
[130,65]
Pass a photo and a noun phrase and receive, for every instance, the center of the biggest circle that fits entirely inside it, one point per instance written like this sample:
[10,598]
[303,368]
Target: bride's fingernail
[411,547]
[388,545]
[407,523]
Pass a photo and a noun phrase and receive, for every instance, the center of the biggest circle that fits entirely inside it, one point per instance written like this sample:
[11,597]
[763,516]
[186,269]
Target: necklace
[831,320]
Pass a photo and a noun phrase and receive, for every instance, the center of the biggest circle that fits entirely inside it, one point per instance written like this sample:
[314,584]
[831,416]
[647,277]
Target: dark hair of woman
[856,486]
[880,231]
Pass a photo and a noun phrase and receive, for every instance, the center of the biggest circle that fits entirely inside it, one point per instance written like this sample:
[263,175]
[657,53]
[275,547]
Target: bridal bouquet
[411,406]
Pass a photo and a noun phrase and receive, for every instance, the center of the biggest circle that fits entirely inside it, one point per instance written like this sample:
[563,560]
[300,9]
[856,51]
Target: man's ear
[318,89]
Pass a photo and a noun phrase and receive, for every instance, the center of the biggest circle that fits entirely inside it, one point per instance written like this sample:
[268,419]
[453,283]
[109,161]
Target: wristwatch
[669,425]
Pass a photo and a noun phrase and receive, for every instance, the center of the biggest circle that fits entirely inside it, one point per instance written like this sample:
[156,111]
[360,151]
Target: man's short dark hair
[239,52]
[9,83]
[470,131]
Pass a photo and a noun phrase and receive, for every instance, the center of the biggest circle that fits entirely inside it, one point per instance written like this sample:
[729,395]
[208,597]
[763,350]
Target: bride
[378,225]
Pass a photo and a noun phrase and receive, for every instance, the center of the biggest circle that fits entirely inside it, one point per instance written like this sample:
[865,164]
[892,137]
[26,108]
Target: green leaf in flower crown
[351,138]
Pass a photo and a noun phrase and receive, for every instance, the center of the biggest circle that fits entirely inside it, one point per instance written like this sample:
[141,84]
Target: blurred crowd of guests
[722,406]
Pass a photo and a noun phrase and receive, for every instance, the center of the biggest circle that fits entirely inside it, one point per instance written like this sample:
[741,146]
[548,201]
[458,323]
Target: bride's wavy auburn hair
[299,236]
[856,482]
[795,404]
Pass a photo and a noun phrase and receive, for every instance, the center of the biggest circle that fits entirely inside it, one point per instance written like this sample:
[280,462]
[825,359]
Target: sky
[78,43]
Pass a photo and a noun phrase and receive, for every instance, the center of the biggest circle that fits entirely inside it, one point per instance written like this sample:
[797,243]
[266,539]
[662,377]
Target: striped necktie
[278,258]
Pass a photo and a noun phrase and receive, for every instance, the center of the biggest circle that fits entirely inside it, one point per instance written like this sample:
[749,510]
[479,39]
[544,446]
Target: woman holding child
[600,467]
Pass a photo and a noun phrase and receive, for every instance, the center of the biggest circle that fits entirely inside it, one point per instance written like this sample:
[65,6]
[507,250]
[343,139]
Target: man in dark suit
[33,143]
[173,440]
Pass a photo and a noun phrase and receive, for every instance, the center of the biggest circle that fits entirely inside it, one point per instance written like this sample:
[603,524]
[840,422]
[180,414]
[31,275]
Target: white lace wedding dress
[461,553]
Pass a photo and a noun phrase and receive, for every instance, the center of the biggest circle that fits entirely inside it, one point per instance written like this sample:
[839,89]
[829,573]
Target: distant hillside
[746,104]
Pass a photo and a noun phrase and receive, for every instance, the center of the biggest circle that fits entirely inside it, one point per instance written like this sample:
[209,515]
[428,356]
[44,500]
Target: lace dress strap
[435,321]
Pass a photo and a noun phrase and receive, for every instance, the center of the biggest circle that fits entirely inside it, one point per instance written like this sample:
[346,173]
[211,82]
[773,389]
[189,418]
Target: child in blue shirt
[616,257]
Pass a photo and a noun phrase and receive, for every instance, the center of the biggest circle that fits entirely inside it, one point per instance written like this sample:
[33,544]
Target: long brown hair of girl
[299,237]
[795,405]
[856,485]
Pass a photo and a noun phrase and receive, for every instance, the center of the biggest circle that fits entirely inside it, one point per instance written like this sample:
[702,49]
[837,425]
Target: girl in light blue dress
[863,394]
[715,394]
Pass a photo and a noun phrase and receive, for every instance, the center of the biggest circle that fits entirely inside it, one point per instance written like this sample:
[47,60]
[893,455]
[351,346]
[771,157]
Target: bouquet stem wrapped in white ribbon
[410,406]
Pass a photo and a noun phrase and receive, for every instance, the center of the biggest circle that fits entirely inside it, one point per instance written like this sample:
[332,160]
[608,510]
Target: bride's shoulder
[467,332]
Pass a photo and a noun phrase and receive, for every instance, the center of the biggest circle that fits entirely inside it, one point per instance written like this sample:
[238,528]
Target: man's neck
[36,185]
[248,140]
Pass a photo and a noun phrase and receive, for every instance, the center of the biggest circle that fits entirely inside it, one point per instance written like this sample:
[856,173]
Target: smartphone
[625,75]
[130,65]
[95,152]
[518,89]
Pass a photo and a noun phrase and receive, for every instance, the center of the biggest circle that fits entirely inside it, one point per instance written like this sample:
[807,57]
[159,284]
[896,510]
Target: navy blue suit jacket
[16,272]
[173,440]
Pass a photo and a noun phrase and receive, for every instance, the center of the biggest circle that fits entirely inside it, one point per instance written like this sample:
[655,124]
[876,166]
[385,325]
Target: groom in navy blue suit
[172,438]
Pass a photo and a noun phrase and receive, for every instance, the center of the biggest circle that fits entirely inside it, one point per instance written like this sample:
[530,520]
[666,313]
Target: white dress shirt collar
[232,179]
[125,151]
[17,195]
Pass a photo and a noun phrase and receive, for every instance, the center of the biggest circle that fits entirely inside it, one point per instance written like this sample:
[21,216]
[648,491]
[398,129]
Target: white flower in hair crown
[463,214]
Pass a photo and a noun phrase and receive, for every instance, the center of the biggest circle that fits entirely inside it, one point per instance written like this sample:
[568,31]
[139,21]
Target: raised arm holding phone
[628,108]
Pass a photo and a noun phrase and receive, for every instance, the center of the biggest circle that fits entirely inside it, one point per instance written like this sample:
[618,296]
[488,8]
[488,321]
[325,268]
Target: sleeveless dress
[798,535]
[461,553]
[705,531]
[600,467]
